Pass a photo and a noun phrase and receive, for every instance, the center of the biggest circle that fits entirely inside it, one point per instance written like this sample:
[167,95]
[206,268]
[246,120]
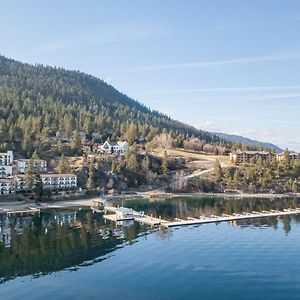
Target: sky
[225,66]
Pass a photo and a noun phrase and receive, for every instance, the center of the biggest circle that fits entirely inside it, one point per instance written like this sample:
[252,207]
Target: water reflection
[56,240]
[69,239]
[184,207]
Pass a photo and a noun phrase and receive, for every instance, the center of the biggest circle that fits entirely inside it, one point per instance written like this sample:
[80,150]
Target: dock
[233,217]
[29,211]
[117,214]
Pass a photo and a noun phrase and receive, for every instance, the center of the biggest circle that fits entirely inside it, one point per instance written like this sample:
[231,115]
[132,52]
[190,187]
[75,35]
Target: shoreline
[87,202]
[237,195]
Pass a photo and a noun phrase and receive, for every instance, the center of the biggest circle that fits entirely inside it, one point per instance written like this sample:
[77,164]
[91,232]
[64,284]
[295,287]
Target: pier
[29,211]
[233,217]
[117,214]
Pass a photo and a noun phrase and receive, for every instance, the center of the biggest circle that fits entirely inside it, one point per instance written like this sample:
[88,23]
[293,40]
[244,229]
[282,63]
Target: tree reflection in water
[64,239]
[56,240]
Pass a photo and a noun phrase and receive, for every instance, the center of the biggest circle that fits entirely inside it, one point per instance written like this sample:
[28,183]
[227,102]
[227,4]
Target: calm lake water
[74,254]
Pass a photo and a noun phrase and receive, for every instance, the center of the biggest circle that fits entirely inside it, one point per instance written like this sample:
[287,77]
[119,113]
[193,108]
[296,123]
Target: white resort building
[12,178]
[20,183]
[6,159]
[59,181]
[39,165]
[292,155]
[6,164]
[7,186]
[49,182]
[6,171]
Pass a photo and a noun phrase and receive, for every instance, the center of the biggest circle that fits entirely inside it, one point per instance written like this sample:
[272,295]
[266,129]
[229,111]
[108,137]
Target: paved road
[192,175]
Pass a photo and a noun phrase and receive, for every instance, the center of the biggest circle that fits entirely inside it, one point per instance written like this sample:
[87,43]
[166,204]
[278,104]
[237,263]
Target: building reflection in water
[61,239]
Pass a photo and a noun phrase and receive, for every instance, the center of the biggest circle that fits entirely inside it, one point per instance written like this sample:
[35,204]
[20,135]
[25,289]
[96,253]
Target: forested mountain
[246,141]
[38,101]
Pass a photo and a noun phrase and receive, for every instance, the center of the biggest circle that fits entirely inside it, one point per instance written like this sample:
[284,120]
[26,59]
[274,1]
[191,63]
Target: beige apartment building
[292,155]
[240,157]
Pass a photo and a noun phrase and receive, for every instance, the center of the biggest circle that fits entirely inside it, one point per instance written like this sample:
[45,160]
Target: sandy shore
[23,205]
[14,205]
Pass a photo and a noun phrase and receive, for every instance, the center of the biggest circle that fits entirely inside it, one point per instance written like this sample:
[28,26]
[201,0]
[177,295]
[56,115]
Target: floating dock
[233,217]
[125,214]
[117,214]
[29,211]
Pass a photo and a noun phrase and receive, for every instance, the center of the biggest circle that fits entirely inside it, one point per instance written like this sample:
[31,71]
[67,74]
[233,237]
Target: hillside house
[114,147]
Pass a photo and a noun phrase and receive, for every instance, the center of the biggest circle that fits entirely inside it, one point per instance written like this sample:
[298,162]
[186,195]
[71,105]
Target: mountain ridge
[38,101]
[247,141]
[98,90]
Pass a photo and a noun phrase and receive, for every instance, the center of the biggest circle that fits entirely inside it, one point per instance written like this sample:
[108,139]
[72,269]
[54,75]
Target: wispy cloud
[207,125]
[277,136]
[249,24]
[220,89]
[104,35]
[205,64]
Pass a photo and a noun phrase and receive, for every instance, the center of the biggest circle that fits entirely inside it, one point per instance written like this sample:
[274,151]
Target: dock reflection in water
[74,240]
[56,240]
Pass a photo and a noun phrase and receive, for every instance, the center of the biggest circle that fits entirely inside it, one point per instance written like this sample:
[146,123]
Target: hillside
[37,101]
[248,142]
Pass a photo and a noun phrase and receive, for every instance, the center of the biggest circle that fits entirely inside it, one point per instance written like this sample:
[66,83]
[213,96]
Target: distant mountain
[246,141]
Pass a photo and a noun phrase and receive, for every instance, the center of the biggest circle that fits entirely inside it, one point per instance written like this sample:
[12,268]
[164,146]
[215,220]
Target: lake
[76,254]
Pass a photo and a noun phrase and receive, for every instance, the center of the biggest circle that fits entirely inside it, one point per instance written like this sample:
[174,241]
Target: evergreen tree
[132,133]
[165,164]
[33,179]
[76,142]
[217,170]
[133,164]
[30,175]
[91,175]
[37,187]
[287,159]
[120,164]
[35,155]
[113,167]
[63,165]
[146,163]
[294,187]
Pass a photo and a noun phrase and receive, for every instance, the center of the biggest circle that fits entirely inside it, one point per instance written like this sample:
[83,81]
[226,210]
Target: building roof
[26,159]
[253,152]
[125,210]
[122,143]
[57,175]
[290,153]
[112,143]
[119,143]
[6,180]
